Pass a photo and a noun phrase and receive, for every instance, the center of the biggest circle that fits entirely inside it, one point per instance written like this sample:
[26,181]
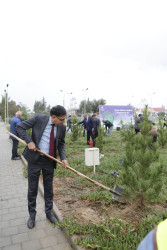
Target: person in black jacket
[138,120]
[84,123]
[48,135]
[89,129]
[69,124]
[108,126]
[96,122]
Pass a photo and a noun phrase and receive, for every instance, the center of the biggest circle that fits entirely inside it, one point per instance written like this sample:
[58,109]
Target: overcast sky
[117,49]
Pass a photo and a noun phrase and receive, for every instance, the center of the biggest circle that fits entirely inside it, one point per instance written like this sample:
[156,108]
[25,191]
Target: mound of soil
[66,199]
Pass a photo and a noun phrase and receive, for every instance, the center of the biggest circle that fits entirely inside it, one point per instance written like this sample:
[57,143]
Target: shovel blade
[119,197]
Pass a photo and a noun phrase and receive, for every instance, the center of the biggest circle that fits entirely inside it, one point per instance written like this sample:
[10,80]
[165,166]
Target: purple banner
[116,114]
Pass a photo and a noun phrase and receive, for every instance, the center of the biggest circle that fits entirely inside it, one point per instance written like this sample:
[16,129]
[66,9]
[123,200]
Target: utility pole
[85,99]
[5,104]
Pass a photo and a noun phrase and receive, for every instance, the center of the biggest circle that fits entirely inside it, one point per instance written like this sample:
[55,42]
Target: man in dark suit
[96,122]
[89,129]
[69,124]
[48,134]
[84,124]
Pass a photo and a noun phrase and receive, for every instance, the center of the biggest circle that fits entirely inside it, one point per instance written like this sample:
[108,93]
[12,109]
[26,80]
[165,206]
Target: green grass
[112,233]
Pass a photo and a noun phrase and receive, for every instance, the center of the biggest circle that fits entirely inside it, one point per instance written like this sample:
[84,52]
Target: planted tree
[141,176]
[127,133]
[162,134]
[75,130]
[100,138]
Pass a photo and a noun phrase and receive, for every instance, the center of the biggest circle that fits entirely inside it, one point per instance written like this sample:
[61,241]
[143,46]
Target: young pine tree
[75,130]
[141,178]
[162,134]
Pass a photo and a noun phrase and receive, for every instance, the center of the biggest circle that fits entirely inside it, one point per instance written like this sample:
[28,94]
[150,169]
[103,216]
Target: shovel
[117,191]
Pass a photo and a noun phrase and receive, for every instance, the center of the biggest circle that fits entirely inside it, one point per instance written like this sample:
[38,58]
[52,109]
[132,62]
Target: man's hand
[65,163]
[32,146]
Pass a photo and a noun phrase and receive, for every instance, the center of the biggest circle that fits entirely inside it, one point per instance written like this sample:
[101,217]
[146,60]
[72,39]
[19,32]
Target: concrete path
[14,234]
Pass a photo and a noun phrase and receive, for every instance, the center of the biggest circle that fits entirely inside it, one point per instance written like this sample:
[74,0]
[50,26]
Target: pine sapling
[162,134]
[141,178]
[75,130]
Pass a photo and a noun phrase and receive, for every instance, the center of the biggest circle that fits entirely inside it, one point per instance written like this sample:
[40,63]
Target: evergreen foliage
[162,134]
[75,130]
[127,133]
[142,180]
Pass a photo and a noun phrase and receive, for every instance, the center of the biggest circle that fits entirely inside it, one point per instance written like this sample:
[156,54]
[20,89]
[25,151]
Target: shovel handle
[37,149]
[68,167]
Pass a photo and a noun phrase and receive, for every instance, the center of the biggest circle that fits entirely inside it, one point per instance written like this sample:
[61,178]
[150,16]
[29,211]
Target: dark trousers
[34,169]
[69,128]
[14,148]
[94,135]
[137,130]
[89,134]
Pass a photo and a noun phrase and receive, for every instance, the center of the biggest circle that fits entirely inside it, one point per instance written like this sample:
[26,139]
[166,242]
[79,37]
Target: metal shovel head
[120,162]
[119,190]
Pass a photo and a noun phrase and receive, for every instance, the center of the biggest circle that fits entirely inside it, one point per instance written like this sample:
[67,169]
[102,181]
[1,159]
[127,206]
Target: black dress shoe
[15,158]
[30,223]
[51,218]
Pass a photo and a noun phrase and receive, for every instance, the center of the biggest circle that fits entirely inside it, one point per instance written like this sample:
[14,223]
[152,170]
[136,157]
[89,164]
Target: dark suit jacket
[90,124]
[96,123]
[38,124]
[83,122]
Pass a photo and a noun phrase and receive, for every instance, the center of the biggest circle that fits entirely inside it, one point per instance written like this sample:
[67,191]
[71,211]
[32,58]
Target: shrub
[142,179]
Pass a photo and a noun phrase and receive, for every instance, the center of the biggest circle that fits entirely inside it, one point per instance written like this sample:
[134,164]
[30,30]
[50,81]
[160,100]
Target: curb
[57,214]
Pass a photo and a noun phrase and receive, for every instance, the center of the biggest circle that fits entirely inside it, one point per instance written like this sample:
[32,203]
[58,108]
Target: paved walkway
[14,234]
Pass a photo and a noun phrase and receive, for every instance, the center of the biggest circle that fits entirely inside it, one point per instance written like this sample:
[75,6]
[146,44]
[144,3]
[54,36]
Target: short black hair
[58,111]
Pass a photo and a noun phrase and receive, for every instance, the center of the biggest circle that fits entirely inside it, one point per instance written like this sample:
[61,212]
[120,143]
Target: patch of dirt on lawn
[78,153]
[66,194]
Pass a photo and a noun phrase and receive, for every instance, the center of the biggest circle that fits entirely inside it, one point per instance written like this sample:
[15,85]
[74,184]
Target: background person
[84,123]
[108,126]
[69,124]
[48,134]
[165,121]
[156,239]
[13,123]
[153,132]
[89,129]
[137,121]
[96,122]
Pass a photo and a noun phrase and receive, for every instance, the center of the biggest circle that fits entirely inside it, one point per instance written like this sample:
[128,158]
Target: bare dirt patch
[66,194]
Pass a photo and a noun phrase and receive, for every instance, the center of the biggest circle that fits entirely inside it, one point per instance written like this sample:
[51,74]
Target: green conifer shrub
[75,130]
[162,134]
[141,178]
